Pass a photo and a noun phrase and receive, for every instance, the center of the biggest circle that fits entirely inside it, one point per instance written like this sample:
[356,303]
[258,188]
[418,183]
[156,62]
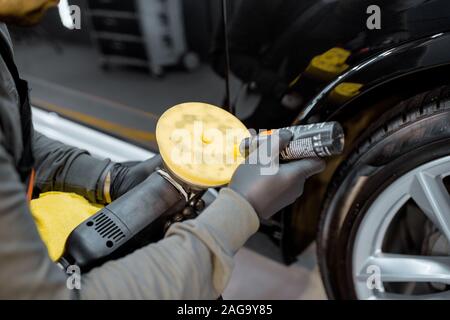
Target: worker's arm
[26,271]
[196,258]
[60,167]
[193,261]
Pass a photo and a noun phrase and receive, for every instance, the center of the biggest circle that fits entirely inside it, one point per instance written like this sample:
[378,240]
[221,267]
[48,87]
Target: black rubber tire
[413,133]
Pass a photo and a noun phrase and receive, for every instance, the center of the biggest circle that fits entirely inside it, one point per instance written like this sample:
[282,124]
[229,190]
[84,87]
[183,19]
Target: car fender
[380,82]
[426,55]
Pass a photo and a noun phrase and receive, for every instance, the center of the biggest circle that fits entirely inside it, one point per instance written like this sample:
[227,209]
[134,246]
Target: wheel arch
[425,65]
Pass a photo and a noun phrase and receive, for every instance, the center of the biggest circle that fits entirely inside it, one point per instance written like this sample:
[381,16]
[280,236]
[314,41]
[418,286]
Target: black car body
[385,76]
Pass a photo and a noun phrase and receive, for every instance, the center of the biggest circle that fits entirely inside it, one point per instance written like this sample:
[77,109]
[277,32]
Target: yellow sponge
[56,214]
[199,143]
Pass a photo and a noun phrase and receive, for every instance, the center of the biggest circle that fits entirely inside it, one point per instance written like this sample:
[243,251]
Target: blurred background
[128,62]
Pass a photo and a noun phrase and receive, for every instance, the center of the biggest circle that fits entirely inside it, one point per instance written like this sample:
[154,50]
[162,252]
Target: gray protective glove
[124,178]
[270,193]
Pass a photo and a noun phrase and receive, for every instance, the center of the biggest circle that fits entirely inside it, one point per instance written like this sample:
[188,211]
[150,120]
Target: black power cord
[228,104]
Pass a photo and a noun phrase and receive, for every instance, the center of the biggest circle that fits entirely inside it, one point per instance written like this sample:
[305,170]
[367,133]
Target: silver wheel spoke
[406,268]
[431,196]
[375,271]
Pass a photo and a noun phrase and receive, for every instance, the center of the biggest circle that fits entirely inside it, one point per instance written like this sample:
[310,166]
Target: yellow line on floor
[130,133]
[111,103]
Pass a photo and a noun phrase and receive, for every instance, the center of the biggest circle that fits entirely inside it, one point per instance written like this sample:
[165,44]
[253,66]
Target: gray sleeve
[193,261]
[26,271]
[64,168]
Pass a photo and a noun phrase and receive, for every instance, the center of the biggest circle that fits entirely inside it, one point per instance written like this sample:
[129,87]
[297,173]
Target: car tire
[413,133]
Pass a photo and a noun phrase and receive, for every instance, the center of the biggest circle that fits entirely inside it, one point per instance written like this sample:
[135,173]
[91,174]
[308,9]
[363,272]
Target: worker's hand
[269,193]
[125,178]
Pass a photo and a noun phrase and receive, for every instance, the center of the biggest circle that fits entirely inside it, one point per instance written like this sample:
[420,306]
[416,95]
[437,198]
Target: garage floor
[258,277]
[126,103]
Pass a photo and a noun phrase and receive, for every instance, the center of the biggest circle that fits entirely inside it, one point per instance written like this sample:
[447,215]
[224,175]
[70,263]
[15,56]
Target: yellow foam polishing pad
[199,143]
[56,214]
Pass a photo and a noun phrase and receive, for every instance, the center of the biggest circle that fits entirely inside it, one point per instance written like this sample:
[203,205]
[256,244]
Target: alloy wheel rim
[371,267]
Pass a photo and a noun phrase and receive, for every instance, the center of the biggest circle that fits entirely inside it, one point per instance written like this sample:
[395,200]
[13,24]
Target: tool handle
[119,227]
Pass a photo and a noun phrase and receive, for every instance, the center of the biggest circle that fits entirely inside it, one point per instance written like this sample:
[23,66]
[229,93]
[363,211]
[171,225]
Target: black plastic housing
[123,225]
